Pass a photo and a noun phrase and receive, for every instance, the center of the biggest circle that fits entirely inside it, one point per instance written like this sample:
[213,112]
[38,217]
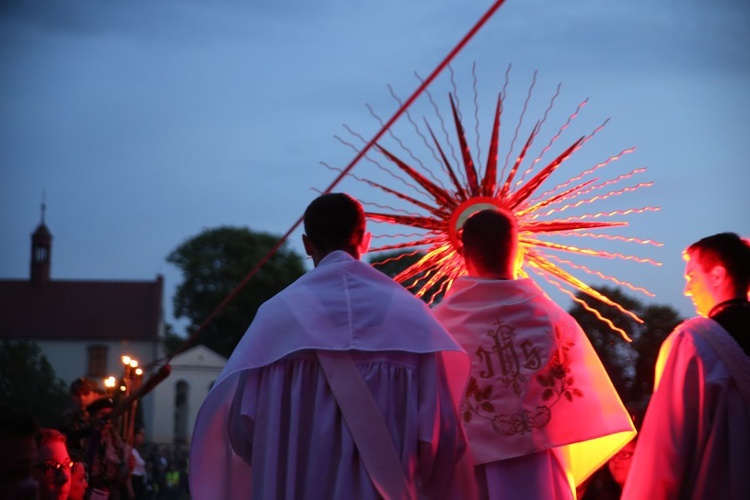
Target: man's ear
[364,245]
[718,275]
[309,249]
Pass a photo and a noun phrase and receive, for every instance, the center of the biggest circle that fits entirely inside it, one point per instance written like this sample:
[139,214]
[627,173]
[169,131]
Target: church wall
[198,368]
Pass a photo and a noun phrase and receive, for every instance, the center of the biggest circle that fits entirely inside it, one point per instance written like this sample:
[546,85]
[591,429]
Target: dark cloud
[190,22]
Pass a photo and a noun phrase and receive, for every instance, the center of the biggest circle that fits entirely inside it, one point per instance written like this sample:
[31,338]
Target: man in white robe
[540,412]
[271,427]
[695,439]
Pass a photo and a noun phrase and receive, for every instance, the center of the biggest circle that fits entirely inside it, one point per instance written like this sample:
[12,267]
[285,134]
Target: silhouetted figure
[695,441]
[272,427]
[540,412]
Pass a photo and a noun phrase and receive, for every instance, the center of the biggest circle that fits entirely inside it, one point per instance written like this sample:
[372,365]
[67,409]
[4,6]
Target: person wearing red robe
[695,439]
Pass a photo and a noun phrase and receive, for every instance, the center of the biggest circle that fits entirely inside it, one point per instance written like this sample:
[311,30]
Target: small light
[133,363]
[138,371]
[125,360]
[123,388]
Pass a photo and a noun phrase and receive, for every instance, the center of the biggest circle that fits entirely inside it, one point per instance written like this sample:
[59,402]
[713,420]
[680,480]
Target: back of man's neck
[494,276]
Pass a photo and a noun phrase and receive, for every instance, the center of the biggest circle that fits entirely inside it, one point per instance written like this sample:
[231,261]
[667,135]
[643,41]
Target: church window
[98,361]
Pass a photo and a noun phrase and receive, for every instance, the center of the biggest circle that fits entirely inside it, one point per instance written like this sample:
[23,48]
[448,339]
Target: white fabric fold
[272,386]
[695,438]
[536,382]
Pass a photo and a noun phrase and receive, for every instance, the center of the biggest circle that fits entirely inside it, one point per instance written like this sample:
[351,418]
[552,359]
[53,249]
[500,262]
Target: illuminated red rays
[439,208]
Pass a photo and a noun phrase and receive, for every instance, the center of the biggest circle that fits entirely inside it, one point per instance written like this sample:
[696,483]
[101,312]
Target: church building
[84,327]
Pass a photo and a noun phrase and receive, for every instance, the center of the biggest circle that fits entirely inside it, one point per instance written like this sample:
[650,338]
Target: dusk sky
[146,122]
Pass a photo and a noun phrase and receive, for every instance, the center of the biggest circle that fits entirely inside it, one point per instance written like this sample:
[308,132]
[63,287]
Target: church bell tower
[41,250]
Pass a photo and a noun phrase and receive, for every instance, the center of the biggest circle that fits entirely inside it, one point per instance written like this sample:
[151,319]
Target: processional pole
[402,109]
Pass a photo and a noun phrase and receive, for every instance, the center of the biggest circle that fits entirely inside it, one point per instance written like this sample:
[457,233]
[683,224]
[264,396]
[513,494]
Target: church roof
[87,310]
[199,357]
[42,231]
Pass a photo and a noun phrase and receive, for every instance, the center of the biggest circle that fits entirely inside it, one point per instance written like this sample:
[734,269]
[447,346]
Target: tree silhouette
[29,384]
[172,340]
[630,366]
[392,263]
[213,263]
[659,321]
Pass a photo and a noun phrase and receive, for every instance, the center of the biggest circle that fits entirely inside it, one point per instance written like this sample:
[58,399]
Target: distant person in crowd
[160,466]
[607,482]
[52,469]
[18,452]
[342,350]
[75,423]
[173,482]
[695,441]
[182,461]
[106,452]
[540,412]
[619,465]
[138,474]
[83,392]
[79,481]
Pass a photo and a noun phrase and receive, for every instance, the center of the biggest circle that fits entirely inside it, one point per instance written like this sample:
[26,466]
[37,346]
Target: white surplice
[540,412]
[270,427]
[695,438]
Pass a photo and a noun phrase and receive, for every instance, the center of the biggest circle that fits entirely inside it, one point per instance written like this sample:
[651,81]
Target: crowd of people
[346,386]
[85,457]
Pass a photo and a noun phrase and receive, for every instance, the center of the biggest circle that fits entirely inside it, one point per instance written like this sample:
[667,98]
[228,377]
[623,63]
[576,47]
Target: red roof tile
[81,310]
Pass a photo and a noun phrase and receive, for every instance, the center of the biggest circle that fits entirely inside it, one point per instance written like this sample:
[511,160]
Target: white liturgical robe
[695,438]
[271,428]
[540,412]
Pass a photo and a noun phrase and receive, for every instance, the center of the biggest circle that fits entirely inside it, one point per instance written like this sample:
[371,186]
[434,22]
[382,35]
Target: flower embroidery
[555,378]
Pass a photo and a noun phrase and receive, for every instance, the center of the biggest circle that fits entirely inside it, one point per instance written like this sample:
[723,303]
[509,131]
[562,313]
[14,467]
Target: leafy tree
[392,263]
[29,384]
[660,320]
[172,340]
[617,355]
[630,366]
[213,263]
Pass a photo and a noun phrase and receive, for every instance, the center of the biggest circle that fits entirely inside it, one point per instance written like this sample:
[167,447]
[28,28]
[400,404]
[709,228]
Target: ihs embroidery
[513,365]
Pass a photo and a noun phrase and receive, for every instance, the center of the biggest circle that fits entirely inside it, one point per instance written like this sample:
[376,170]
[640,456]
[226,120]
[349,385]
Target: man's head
[83,391]
[335,221]
[17,454]
[717,269]
[139,436]
[490,244]
[99,410]
[52,469]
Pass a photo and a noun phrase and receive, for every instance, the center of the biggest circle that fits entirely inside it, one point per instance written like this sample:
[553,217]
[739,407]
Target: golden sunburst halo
[439,207]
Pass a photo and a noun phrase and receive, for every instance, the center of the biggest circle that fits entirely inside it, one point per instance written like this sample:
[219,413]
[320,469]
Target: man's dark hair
[13,423]
[46,436]
[83,384]
[490,240]
[335,221]
[729,251]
